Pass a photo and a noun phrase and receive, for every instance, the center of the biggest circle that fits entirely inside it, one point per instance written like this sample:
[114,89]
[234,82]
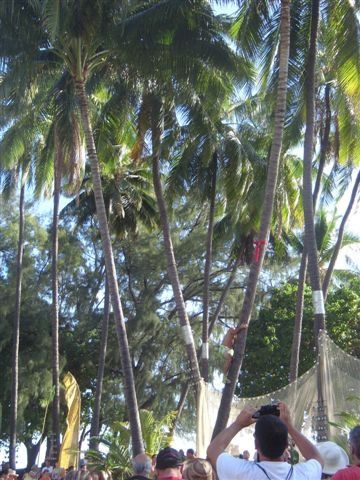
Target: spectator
[198,469]
[190,454]
[141,467]
[47,467]
[335,458]
[352,472]
[246,455]
[271,441]
[168,464]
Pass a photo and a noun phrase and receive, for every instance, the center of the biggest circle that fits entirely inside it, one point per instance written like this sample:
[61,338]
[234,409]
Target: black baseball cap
[168,458]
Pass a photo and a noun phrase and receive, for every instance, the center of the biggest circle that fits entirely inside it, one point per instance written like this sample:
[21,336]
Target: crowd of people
[49,472]
[273,459]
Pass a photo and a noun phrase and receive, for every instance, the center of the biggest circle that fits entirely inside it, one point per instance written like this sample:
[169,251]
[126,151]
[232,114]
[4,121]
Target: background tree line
[193,179]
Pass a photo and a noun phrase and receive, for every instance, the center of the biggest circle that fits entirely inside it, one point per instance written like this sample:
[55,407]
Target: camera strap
[288,476]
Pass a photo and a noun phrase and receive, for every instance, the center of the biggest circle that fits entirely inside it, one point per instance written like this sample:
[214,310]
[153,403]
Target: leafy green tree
[34,336]
[266,366]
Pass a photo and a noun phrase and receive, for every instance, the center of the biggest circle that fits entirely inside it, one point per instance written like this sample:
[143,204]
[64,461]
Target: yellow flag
[69,449]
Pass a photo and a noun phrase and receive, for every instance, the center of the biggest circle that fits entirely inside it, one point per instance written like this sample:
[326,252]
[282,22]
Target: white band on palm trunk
[187,334]
[205,350]
[318,302]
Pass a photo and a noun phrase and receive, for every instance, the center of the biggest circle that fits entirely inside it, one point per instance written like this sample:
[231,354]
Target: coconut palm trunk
[224,293]
[339,240]
[207,271]
[55,299]
[95,421]
[310,238]
[129,384]
[16,332]
[299,310]
[156,131]
[271,181]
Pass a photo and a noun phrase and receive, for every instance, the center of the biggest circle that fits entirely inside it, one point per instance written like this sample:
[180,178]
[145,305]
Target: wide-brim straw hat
[335,458]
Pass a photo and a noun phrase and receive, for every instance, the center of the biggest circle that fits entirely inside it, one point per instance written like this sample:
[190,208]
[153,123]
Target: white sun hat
[335,458]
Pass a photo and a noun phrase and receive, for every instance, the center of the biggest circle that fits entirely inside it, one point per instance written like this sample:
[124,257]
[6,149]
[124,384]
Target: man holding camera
[271,441]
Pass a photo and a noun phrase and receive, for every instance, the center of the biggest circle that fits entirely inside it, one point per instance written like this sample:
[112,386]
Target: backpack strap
[288,476]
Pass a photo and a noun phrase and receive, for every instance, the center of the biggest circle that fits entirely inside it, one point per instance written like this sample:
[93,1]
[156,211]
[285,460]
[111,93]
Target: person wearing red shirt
[352,472]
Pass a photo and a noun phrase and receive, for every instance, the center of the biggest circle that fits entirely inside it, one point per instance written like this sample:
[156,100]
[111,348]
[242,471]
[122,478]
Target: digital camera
[267,410]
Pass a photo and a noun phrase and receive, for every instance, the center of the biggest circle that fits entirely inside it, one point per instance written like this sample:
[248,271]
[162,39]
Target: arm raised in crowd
[307,449]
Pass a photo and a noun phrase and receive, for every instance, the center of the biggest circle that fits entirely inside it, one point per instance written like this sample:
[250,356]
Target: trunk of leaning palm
[180,406]
[296,341]
[207,270]
[224,293]
[339,240]
[168,246]
[299,310]
[16,332]
[55,300]
[95,421]
[225,290]
[129,384]
[271,181]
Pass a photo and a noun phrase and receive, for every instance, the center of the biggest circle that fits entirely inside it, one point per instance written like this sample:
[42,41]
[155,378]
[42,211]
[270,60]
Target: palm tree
[128,202]
[228,392]
[340,237]
[334,111]
[157,107]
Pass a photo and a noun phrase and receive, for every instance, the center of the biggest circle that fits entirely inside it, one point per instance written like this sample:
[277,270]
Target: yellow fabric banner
[69,449]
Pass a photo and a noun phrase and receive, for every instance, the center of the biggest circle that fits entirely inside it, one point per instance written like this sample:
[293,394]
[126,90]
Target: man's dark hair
[354,438]
[271,434]
[190,451]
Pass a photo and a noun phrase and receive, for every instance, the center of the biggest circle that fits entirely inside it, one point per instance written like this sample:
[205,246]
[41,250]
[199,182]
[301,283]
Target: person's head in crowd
[246,455]
[45,475]
[142,465]
[182,453]
[34,471]
[354,440]
[271,437]
[169,463]
[11,474]
[198,469]
[190,454]
[335,458]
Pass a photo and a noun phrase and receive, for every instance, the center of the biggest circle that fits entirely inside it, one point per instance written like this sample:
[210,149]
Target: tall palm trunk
[310,238]
[207,270]
[95,421]
[225,290]
[271,181]
[156,131]
[339,240]
[299,310]
[16,332]
[55,300]
[129,384]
